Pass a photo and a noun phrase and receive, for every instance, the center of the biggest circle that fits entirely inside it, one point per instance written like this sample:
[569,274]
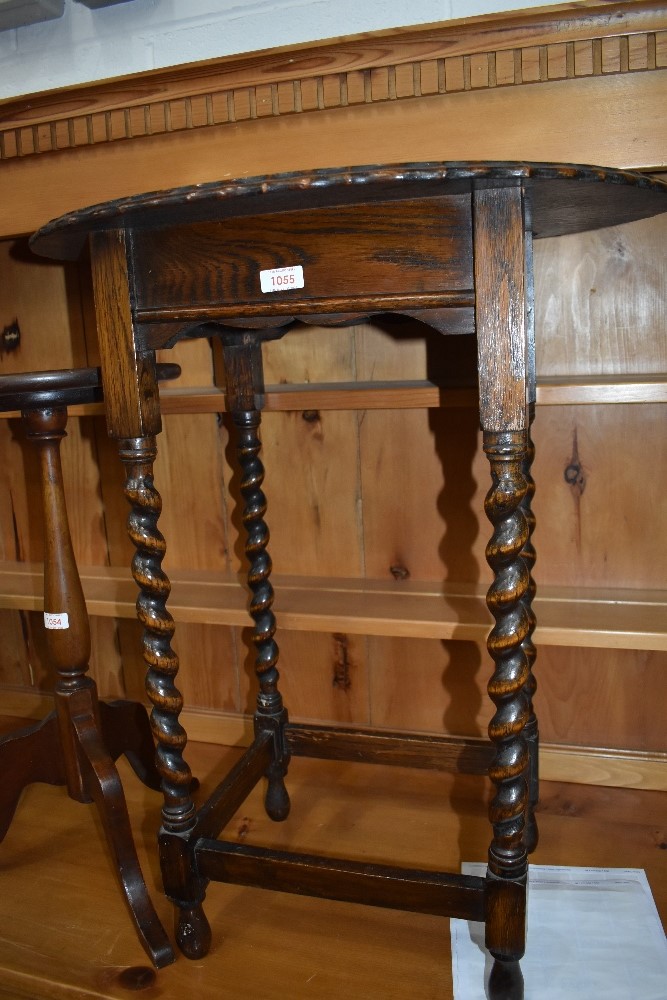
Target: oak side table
[450,244]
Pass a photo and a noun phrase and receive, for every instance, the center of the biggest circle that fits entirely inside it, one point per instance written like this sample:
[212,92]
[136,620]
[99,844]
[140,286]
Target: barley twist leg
[531,734]
[270,711]
[508,866]
[178,811]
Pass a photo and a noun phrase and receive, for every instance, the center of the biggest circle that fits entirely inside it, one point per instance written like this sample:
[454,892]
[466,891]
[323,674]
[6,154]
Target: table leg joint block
[505,916]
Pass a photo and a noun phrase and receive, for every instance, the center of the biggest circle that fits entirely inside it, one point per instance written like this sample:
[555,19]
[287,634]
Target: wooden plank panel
[426,525]
[591,697]
[661,48]
[38,674]
[601,300]
[193,523]
[221,107]
[505,67]
[310,354]
[638,52]
[107,666]
[611,55]
[15,669]
[585,697]
[454,73]
[323,676]
[332,90]
[21,505]
[41,317]
[264,101]
[583,57]
[208,677]
[479,70]
[20,519]
[428,77]
[313,512]
[530,65]
[557,61]
[425,686]
[195,359]
[380,84]
[422,502]
[357,83]
[596,527]
[394,349]
[286,97]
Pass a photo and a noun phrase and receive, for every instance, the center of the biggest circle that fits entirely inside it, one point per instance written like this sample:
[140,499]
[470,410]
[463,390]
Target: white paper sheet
[593,934]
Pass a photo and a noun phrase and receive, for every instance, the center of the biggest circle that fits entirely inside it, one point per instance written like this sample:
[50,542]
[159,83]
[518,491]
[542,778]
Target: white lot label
[56,621]
[281,279]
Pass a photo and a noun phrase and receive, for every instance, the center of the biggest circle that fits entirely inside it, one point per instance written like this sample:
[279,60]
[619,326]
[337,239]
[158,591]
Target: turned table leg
[88,767]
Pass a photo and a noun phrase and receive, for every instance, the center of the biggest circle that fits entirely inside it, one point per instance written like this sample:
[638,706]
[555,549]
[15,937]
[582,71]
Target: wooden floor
[64,931]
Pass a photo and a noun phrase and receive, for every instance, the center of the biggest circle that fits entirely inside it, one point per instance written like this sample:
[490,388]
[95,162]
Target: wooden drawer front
[410,247]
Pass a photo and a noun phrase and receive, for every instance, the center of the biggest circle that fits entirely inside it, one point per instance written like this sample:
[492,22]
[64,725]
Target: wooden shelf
[404,395]
[612,619]
[562,390]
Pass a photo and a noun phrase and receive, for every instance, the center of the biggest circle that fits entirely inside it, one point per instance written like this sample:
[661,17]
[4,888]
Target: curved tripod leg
[126,730]
[28,755]
[104,786]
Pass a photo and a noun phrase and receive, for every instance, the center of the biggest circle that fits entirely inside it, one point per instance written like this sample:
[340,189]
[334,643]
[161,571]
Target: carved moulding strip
[252,95]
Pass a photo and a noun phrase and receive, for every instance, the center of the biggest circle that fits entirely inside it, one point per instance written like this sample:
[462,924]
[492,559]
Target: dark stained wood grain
[501,304]
[333,878]
[362,249]
[130,383]
[400,749]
